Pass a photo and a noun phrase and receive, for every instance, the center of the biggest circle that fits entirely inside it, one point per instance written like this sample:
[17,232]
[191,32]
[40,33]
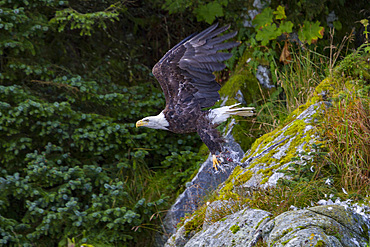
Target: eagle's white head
[154,122]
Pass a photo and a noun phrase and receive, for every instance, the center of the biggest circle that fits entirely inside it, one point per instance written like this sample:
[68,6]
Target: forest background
[76,75]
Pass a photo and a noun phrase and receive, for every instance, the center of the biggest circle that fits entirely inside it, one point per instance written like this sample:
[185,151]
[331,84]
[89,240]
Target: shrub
[73,165]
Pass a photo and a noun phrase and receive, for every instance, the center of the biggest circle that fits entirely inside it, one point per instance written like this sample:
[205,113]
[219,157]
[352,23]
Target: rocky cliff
[276,194]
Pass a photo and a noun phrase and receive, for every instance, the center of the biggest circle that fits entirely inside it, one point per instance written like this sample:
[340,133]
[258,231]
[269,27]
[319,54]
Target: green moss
[355,65]
[229,183]
[297,127]
[288,240]
[295,114]
[268,171]
[228,187]
[297,130]
[237,170]
[320,243]
[245,81]
[264,180]
[326,86]
[203,151]
[196,223]
[264,159]
[230,88]
[262,220]
[247,84]
[242,178]
[333,231]
[285,232]
[235,228]
[238,177]
[258,145]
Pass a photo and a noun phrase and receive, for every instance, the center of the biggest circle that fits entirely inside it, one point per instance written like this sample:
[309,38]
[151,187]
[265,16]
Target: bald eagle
[185,74]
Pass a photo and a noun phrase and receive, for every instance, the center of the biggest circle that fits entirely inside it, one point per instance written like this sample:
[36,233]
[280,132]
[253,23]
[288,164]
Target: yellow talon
[215,162]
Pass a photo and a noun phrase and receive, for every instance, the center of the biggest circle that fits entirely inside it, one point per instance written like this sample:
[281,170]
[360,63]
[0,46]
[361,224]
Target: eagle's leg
[215,162]
[210,136]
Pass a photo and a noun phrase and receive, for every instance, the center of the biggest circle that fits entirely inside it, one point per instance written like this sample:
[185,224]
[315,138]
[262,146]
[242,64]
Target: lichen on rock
[227,220]
[244,224]
[329,225]
[274,151]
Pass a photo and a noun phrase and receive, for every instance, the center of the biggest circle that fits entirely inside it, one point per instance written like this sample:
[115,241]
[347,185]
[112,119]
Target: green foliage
[73,81]
[73,165]
[174,6]
[310,10]
[310,32]
[366,33]
[271,24]
[177,169]
[263,19]
[209,12]
[267,33]
[113,49]
[293,82]
[84,21]
[280,13]
[60,163]
[203,10]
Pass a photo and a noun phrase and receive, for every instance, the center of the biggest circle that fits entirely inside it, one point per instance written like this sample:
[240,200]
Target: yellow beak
[140,123]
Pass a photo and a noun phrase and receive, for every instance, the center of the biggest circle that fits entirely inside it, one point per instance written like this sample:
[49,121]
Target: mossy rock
[329,225]
[271,154]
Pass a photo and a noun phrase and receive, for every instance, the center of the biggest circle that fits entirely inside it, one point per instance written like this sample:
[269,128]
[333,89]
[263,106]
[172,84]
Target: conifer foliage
[69,151]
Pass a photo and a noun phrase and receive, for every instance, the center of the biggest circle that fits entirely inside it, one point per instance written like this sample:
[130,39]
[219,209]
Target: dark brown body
[188,120]
[185,74]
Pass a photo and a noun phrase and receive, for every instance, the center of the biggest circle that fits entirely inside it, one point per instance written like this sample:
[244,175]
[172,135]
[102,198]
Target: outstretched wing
[191,63]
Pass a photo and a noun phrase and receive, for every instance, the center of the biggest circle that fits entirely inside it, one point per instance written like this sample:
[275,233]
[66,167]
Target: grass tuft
[300,77]
[347,126]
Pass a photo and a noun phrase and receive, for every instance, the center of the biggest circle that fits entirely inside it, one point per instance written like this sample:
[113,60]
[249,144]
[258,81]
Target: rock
[253,11]
[274,151]
[227,222]
[240,97]
[333,225]
[326,225]
[238,229]
[216,210]
[180,238]
[263,76]
[202,184]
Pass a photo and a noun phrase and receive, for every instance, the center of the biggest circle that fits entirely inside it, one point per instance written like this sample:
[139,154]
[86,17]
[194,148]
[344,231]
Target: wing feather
[221,39]
[225,46]
[191,63]
[207,77]
[205,66]
[218,57]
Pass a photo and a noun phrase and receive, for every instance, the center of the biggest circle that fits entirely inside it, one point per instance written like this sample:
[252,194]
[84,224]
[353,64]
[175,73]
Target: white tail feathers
[221,114]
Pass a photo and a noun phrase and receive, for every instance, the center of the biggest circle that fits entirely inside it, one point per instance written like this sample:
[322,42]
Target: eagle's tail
[221,114]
